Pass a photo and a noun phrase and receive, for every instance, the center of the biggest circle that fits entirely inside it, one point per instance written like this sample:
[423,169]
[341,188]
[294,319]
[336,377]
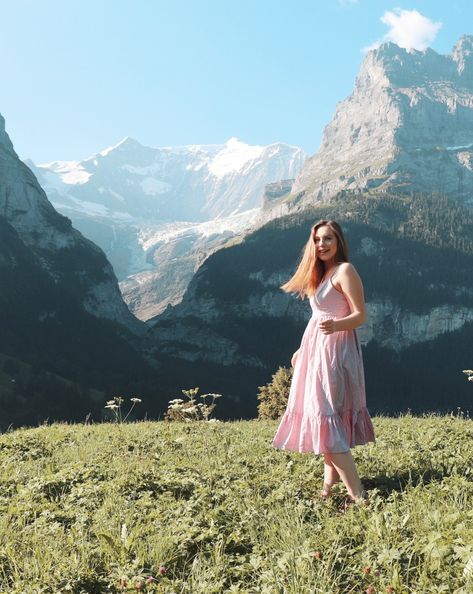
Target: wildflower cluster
[469,373]
[191,410]
[115,405]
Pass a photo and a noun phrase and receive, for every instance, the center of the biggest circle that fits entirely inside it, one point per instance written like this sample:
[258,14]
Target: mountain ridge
[407,126]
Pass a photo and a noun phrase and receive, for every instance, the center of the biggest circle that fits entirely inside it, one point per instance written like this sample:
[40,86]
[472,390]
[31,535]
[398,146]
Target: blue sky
[79,75]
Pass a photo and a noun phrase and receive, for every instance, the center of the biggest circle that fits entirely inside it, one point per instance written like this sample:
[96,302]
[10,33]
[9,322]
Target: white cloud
[407,28]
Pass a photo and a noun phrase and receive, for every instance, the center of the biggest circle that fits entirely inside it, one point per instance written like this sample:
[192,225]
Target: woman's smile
[326,243]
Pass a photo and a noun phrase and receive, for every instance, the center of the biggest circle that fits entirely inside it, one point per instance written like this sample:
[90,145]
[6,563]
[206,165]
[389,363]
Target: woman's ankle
[358,494]
[361,497]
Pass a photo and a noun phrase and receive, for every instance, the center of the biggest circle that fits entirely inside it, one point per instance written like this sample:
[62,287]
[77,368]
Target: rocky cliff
[407,126]
[63,252]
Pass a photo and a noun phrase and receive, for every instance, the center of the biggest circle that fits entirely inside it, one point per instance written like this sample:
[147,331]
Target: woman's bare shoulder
[346,273]
[346,268]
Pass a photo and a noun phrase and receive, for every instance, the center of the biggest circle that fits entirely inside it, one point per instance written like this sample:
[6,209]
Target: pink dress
[326,410]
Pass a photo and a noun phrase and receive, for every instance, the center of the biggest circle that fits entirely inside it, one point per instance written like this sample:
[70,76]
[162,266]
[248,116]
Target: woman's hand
[328,326]
[294,358]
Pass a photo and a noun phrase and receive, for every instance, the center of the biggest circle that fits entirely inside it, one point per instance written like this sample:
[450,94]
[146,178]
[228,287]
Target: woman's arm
[348,281]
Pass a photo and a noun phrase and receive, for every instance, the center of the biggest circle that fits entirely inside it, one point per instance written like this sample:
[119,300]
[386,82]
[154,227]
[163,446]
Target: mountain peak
[462,55]
[235,142]
[389,49]
[407,124]
[233,157]
[465,43]
[127,143]
[4,138]
[391,65]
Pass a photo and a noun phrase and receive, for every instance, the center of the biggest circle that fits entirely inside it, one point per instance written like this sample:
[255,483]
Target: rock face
[67,257]
[407,126]
[392,322]
[394,328]
[158,212]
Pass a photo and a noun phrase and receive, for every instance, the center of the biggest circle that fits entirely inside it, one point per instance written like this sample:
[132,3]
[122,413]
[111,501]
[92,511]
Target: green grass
[85,507]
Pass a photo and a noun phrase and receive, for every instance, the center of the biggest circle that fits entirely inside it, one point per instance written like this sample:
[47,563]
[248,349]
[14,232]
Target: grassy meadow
[209,507]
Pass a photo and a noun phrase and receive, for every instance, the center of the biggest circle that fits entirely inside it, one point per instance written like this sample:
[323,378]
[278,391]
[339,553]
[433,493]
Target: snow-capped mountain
[157,212]
[189,183]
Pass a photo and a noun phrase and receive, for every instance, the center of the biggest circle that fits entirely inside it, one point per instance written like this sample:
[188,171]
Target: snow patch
[153,187]
[457,148]
[153,235]
[71,173]
[90,209]
[232,158]
[146,170]
[108,150]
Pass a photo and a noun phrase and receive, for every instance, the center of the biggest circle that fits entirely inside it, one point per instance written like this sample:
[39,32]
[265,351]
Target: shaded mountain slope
[61,310]
[43,322]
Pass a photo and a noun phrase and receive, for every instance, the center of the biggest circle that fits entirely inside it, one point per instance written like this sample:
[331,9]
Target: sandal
[325,493]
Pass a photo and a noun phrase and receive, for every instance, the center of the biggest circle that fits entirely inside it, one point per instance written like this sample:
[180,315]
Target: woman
[326,411]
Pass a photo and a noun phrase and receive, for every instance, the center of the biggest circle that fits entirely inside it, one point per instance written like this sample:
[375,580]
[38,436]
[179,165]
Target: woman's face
[325,244]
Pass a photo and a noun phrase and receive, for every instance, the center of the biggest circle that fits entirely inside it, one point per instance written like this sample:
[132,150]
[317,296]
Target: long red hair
[310,271]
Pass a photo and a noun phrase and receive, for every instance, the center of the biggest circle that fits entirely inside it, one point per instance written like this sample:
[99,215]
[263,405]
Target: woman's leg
[344,465]
[331,475]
